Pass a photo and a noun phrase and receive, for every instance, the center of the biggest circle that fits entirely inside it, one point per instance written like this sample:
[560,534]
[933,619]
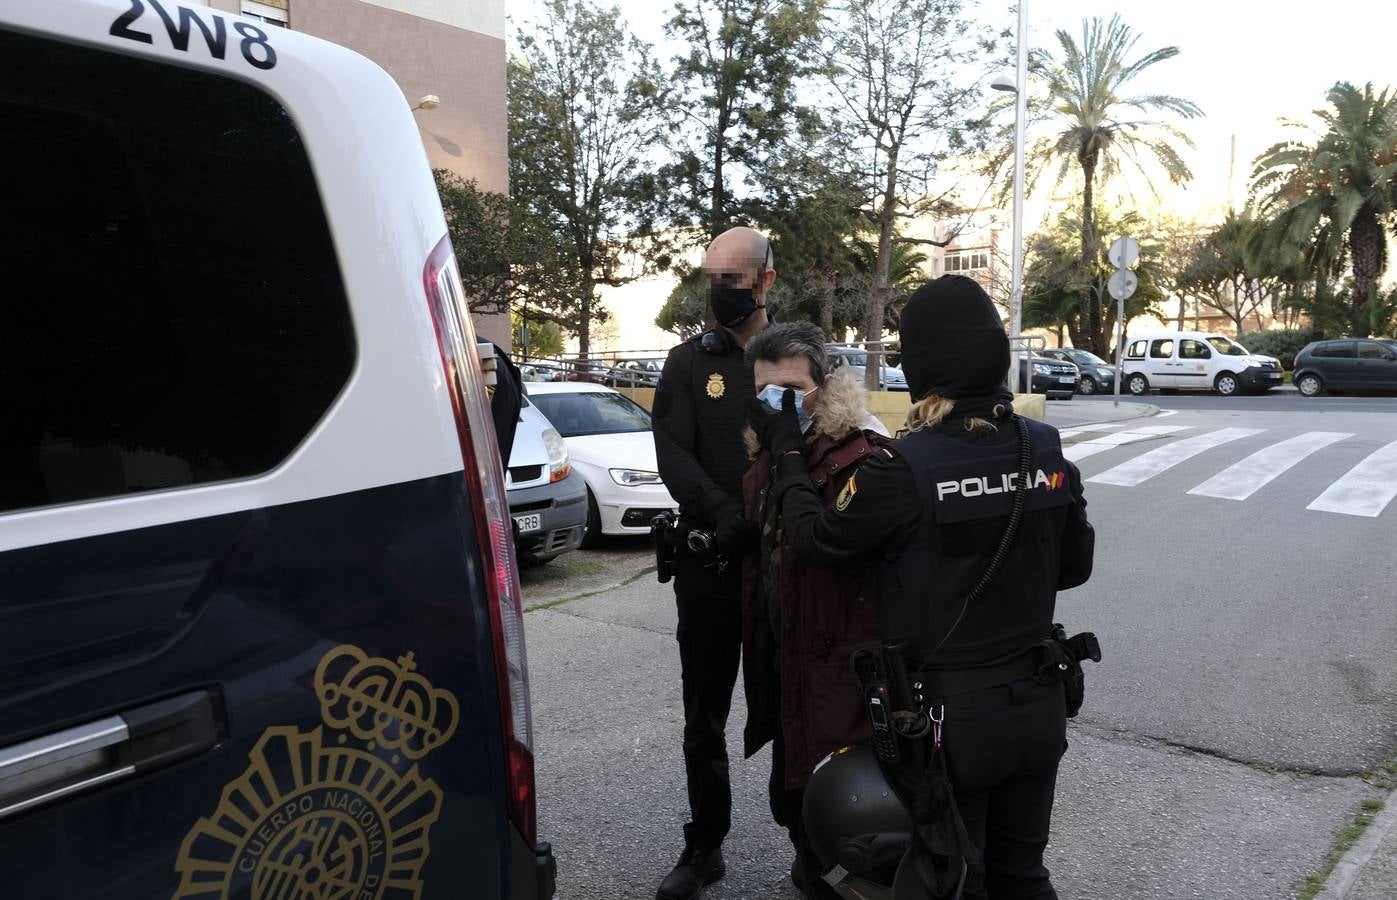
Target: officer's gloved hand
[734,533]
[778,432]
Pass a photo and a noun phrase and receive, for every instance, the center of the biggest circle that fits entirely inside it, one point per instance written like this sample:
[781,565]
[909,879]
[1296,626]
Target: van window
[1335,350]
[1162,349]
[1225,347]
[173,311]
[1194,350]
[1136,350]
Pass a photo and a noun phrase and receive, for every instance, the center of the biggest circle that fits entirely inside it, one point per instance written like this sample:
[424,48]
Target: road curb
[1149,409]
[1346,872]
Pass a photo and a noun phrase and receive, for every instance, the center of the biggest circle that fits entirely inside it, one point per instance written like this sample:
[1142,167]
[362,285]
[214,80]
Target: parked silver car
[856,359]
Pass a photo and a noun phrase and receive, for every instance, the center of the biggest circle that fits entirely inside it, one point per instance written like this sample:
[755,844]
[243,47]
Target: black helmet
[856,824]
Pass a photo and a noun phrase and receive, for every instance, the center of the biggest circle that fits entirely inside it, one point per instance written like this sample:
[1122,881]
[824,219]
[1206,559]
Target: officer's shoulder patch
[846,493]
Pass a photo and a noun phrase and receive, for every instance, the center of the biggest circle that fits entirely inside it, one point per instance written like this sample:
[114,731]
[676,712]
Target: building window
[967,260]
[262,12]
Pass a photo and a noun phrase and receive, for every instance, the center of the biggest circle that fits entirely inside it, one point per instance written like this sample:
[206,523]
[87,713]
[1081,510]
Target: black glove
[734,534]
[778,432]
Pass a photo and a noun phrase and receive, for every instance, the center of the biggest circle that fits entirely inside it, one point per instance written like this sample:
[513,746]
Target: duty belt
[941,683]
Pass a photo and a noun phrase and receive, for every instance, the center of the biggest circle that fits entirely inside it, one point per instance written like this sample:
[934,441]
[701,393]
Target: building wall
[450,48]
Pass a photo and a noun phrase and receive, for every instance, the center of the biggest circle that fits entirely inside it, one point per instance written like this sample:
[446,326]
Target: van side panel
[346,645]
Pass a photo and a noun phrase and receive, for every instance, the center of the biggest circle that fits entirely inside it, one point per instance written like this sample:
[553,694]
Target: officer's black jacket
[933,510]
[506,399]
[700,411]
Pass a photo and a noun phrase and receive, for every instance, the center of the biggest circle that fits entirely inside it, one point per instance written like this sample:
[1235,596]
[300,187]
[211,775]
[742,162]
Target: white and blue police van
[261,631]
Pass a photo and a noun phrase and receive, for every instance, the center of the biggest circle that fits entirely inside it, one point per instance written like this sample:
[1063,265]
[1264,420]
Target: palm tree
[1335,198]
[1101,126]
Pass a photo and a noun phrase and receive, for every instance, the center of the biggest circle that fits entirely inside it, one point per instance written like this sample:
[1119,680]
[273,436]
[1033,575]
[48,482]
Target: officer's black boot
[697,867]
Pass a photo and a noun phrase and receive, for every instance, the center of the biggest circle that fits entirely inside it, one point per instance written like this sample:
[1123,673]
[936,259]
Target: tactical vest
[966,485]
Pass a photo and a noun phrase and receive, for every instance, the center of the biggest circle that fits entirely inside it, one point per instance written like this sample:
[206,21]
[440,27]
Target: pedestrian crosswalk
[1103,442]
[1240,480]
[1367,488]
[1148,465]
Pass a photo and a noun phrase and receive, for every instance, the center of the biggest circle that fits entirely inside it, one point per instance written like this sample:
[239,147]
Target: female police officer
[933,509]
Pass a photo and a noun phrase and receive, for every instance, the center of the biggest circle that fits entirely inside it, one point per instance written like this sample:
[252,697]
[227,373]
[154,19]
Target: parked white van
[1196,360]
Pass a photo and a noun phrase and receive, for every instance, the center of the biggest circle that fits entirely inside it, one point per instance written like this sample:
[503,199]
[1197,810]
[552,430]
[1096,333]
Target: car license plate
[1274,376]
[531,522]
[1067,379]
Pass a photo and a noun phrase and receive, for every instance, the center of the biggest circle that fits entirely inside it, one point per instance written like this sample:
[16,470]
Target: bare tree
[581,93]
[905,94]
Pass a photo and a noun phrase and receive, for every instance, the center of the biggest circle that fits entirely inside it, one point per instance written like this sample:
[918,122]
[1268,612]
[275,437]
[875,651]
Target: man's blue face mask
[771,396]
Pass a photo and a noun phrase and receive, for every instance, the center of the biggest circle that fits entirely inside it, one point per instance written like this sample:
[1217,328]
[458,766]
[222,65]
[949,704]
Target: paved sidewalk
[1369,870]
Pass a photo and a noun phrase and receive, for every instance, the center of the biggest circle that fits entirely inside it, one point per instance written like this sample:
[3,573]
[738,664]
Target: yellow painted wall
[891,407]
[643,395]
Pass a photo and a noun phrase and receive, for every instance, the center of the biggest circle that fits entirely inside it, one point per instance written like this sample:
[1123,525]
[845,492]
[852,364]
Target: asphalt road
[1258,629]
[1249,669]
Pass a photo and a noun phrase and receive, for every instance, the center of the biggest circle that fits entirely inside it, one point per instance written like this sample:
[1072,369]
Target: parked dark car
[1053,377]
[635,373]
[1098,376]
[1346,364]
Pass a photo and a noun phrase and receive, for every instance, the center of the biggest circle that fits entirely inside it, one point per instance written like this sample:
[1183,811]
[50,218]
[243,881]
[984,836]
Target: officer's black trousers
[1002,748]
[710,649]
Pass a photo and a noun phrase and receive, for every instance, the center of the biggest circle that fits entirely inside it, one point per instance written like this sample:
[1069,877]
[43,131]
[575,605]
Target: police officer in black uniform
[699,413]
[934,509]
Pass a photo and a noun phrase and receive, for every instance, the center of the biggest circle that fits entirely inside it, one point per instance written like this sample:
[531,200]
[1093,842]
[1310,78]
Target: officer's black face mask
[731,305]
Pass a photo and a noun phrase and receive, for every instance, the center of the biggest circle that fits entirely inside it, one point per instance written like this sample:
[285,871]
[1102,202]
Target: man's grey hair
[786,341]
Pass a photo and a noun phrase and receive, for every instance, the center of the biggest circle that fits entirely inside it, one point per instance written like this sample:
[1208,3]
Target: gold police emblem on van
[716,387]
[339,812]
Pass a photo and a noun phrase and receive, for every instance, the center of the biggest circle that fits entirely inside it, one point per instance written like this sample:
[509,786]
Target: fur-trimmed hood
[843,408]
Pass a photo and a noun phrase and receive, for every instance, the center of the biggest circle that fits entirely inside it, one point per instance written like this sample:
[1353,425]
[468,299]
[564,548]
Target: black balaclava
[953,341]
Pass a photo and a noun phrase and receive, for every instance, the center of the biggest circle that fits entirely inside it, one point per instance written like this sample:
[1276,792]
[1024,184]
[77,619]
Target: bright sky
[1245,62]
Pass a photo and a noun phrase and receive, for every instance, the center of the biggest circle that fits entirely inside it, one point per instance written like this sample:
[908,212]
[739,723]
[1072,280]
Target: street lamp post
[1019,85]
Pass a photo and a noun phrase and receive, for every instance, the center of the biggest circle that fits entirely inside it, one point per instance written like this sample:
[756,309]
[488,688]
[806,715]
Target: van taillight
[485,481]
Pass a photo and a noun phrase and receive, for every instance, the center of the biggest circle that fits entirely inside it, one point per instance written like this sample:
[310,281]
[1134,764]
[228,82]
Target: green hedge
[1283,345]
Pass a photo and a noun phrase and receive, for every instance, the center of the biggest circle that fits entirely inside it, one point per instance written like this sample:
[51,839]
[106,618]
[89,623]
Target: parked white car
[610,444]
[546,497]
[856,360]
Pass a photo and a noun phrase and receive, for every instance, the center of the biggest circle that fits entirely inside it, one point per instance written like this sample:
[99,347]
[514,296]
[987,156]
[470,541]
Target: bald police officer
[699,413]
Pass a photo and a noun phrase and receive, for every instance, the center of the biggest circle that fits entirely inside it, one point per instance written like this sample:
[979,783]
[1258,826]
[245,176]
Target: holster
[1063,660]
[662,535]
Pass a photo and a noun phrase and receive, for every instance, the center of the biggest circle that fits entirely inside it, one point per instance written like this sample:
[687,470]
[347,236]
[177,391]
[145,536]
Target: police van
[260,622]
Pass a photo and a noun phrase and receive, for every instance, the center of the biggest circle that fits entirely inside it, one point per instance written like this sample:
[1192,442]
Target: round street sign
[1124,252]
[1123,283]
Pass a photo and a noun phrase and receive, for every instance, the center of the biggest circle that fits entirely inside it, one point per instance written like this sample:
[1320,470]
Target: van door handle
[54,766]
